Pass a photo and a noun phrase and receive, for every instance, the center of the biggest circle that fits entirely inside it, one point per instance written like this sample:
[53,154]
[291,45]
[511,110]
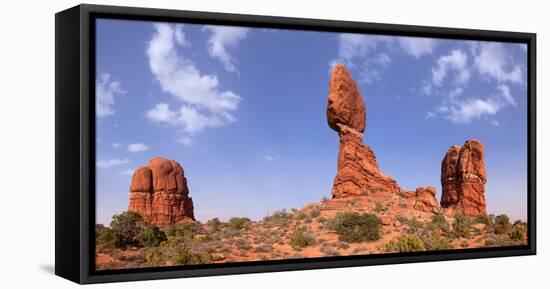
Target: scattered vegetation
[280,218]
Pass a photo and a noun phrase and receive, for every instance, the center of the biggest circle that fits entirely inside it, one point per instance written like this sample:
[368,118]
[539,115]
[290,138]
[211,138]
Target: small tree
[214,224]
[127,225]
[107,239]
[502,224]
[151,236]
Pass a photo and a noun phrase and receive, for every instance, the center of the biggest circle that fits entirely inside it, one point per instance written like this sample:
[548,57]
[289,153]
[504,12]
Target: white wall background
[27,144]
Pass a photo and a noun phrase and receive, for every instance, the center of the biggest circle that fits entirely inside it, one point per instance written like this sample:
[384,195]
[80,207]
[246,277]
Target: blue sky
[243,110]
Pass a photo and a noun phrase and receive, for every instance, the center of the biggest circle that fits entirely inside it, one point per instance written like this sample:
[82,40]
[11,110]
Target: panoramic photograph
[226,144]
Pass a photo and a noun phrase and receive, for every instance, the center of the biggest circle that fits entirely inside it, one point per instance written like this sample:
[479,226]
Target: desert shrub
[214,225]
[405,243]
[483,219]
[151,236]
[300,238]
[107,239]
[315,212]
[358,249]
[502,224]
[352,227]
[461,226]
[239,223]
[324,200]
[243,244]
[516,234]
[328,251]
[414,225]
[188,230]
[321,219]
[265,248]
[439,222]
[279,218]
[301,215]
[126,225]
[434,242]
[154,258]
[170,231]
[182,256]
[378,206]
[343,245]
[495,240]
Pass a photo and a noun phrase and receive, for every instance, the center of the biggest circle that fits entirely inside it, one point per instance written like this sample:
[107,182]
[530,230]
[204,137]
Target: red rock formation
[425,200]
[463,178]
[358,171]
[159,193]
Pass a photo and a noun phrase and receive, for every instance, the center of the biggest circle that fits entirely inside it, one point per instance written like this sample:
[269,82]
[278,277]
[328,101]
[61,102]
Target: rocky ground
[376,222]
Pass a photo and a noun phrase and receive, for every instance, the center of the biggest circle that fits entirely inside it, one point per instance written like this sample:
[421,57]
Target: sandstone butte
[358,170]
[463,178]
[159,193]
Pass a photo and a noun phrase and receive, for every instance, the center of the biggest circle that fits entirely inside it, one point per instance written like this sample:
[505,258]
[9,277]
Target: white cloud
[137,147]
[180,36]
[111,163]
[495,123]
[116,145]
[270,158]
[106,90]
[492,60]
[186,140]
[222,38]
[417,46]
[127,172]
[456,62]
[506,95]
[466,111]
[203,104]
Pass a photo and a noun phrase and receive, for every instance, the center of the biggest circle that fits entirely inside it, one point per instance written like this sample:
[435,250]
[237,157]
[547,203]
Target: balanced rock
[463,178]
[159,193]
[358,170]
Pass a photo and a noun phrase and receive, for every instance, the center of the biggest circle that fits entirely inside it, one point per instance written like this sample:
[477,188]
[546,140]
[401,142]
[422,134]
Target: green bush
[151,236]
[107,239]
[279,218]
[239,223]
[300,238]
[461,226]
[502,224]
[126,226]
[301,215]
[315,212]
[415,226]
[405,243]
[214,224]
[352,227]
[483,219]
[434,242]
[516,234]
[439,222]
[182,256]
[188,230]
[155,258]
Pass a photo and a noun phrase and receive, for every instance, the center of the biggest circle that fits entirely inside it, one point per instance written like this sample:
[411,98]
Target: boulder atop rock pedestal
[345,103]
[463,178]
[159,193]
[358,171]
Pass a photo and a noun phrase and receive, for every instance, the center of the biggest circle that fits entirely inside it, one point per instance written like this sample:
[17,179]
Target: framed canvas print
[194,144]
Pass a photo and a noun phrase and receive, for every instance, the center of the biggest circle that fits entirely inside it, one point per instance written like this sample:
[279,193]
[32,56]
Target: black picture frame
[75,142]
